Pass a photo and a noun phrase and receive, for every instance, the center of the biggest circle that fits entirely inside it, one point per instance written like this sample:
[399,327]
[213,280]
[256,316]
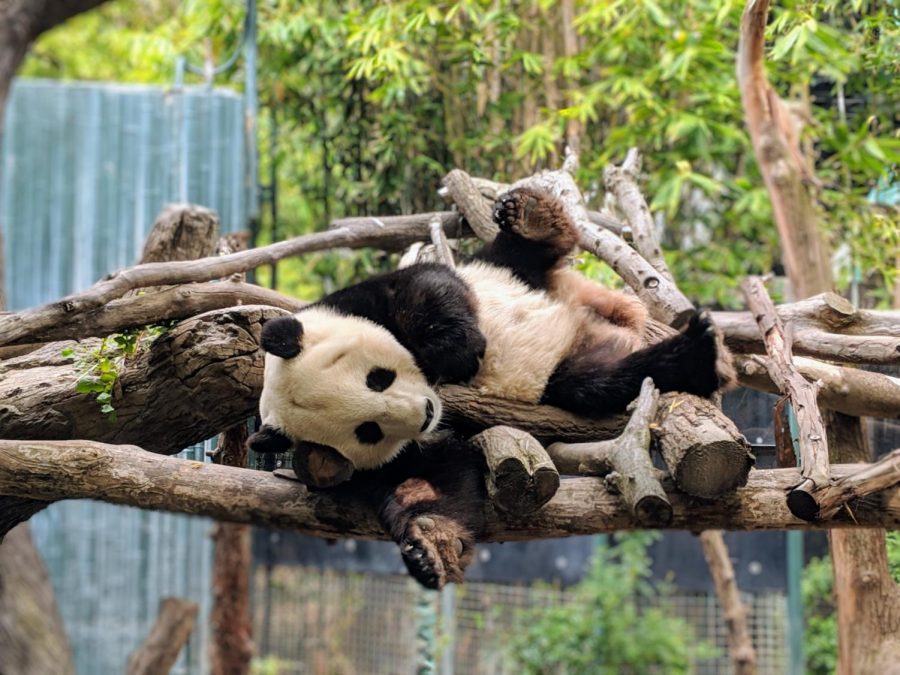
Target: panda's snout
[429,414]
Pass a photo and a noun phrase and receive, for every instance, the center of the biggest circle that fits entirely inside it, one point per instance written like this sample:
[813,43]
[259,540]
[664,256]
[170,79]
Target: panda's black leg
[687,362]
[437,321]
[436,548]
[435,517]
[535,235]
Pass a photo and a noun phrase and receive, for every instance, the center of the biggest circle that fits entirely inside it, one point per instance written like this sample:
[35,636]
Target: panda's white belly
[528,333]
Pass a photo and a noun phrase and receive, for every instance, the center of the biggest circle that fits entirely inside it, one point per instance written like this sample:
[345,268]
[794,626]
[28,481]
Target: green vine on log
[98,364]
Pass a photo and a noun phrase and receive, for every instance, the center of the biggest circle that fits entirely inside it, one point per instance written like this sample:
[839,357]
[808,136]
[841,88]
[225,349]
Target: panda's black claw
[506,212]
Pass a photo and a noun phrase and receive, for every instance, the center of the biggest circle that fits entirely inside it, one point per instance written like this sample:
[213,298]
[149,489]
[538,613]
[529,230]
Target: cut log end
[653,511]
[712,469]
[803,505]
[521,476]
[517,491]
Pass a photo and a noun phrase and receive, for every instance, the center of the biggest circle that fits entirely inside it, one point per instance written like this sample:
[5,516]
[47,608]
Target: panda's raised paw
[537,216]
[436,550]
[511,210]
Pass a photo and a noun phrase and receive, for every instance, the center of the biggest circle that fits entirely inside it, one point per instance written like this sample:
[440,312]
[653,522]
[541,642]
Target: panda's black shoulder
[425,286]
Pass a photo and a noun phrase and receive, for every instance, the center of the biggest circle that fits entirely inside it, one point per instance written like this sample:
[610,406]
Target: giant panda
[356,371]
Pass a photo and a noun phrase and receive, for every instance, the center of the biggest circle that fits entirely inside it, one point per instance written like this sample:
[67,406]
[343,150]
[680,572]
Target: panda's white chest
[528,333]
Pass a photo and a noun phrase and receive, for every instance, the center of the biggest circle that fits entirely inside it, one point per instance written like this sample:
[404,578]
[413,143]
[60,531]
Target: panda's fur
[356,371]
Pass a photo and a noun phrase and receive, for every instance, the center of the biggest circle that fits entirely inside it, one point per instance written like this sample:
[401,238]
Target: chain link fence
[322,622]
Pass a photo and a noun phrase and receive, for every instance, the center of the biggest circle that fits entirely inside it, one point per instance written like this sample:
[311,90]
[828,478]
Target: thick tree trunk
[862,579]
[32,639]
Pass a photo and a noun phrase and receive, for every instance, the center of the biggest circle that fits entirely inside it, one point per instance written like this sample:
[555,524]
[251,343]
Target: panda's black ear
[282,336]
[268,439]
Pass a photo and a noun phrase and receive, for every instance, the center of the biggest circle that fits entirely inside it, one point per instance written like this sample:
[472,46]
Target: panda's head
[345,382]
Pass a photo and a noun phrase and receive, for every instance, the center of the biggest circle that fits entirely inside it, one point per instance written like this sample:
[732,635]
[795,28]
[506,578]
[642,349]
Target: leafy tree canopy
[374,102]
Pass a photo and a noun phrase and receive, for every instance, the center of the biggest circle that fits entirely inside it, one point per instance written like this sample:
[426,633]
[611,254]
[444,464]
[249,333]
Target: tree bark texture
[202,376]
[169,634]
[769,124]
[521,476]
[740,647]
[232,631]
[850,391]
[32,638]
[631,472]
[868,602]
[859,558]
[812,439]
[54,470]
[825,326]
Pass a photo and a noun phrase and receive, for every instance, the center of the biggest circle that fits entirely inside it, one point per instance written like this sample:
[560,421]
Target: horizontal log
[851,391]
[200,377]
[127,475]
[825,327]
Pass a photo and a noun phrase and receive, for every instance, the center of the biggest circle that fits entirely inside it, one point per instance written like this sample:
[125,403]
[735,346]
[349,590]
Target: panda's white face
[352,386]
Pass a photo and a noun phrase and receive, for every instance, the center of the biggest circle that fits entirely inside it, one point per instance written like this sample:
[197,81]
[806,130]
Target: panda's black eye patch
[369,433]
[380,379]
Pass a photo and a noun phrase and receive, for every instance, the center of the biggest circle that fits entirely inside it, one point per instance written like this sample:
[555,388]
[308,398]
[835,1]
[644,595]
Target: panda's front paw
[436,550]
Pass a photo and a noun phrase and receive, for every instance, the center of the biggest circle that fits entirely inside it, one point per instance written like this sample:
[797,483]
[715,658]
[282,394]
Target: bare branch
[632,475]
[166,639]
[850,391]
[474,208]
[622,182]
[127,475]
[813,440]
[739,644]
[398,233]
[882,474]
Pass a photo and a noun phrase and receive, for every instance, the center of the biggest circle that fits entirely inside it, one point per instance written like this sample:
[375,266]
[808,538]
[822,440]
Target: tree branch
[850,391]
[622,182]
[812,438]
[168,636]
[740,646]
[632,475]
[128,475]
[397,233]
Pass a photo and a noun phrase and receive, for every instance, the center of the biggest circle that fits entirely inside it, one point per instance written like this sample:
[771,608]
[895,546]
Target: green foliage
[377,101]
[98,364]
[617,622]
[820,634]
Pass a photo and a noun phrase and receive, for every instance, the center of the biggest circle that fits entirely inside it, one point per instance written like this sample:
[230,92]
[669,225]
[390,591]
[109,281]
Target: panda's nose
[429,414]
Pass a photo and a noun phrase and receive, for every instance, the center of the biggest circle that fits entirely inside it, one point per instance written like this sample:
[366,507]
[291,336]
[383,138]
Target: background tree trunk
[232,631]
[866,596]
[32,639]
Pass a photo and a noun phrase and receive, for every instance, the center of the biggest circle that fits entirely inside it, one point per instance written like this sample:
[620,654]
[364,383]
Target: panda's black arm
[430,311]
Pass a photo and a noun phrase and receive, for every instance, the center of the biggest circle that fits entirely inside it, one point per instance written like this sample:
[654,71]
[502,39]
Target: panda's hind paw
[535,215]
[436,550]
[708,340]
